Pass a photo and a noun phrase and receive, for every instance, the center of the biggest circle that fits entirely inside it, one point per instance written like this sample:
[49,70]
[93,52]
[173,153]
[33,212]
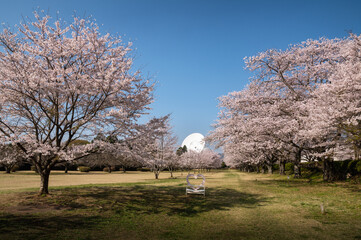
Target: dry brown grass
[29,180]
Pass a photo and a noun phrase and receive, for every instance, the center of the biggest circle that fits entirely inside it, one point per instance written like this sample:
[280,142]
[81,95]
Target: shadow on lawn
[83,209]
[148,199]
[308,182]
[42,227]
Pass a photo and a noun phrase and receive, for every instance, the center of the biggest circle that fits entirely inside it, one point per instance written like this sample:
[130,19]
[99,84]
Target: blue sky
[194,49]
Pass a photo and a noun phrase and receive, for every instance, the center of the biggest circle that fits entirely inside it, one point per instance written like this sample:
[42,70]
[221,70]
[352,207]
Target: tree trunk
[327,170]
[156,174]
[44,184]
[171,173]
[123,169]
[357,151]
[270,169]
[66,169]
[109,169]
[297,170]
[282,167]
[297,165]
[7,169]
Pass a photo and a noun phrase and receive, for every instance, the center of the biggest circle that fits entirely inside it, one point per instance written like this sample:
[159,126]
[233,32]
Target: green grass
[236,206]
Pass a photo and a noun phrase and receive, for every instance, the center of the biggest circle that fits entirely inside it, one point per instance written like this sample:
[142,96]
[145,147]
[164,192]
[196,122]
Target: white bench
[196,189]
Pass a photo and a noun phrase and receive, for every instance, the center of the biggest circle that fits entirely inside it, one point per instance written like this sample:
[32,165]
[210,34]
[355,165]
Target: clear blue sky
[194,49]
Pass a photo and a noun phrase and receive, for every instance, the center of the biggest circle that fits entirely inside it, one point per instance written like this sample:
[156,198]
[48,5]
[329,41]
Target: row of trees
[60,83]
[302,103]
[153,147]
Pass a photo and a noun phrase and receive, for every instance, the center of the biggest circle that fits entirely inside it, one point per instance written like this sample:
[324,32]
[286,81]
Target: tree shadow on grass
[291,183]
[308,182]
[145,199]
[81,210]
[354,188]
[43,227]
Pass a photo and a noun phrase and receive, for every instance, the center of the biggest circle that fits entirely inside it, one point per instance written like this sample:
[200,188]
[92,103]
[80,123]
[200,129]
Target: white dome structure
[194,142]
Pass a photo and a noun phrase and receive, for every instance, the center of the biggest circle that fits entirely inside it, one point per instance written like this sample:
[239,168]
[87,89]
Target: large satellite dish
[194,142]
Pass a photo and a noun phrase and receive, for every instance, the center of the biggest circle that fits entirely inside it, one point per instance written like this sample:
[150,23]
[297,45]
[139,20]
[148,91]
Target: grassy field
[135,206]
[28,180]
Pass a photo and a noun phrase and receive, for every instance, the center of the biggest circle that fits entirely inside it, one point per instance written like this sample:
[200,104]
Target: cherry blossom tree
[111,152]
[60,82]
[188,160]
[68,164]
[209,159]
[335,109]
[271,115]
[172,162]
[10,155]
[127,158]
[286,79]
[156,145]
[204,160]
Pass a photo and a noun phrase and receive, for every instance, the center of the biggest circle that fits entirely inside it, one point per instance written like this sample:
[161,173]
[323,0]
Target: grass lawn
[135,206]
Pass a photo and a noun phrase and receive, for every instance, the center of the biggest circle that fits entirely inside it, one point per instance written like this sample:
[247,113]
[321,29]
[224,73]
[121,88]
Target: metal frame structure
[196,189]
